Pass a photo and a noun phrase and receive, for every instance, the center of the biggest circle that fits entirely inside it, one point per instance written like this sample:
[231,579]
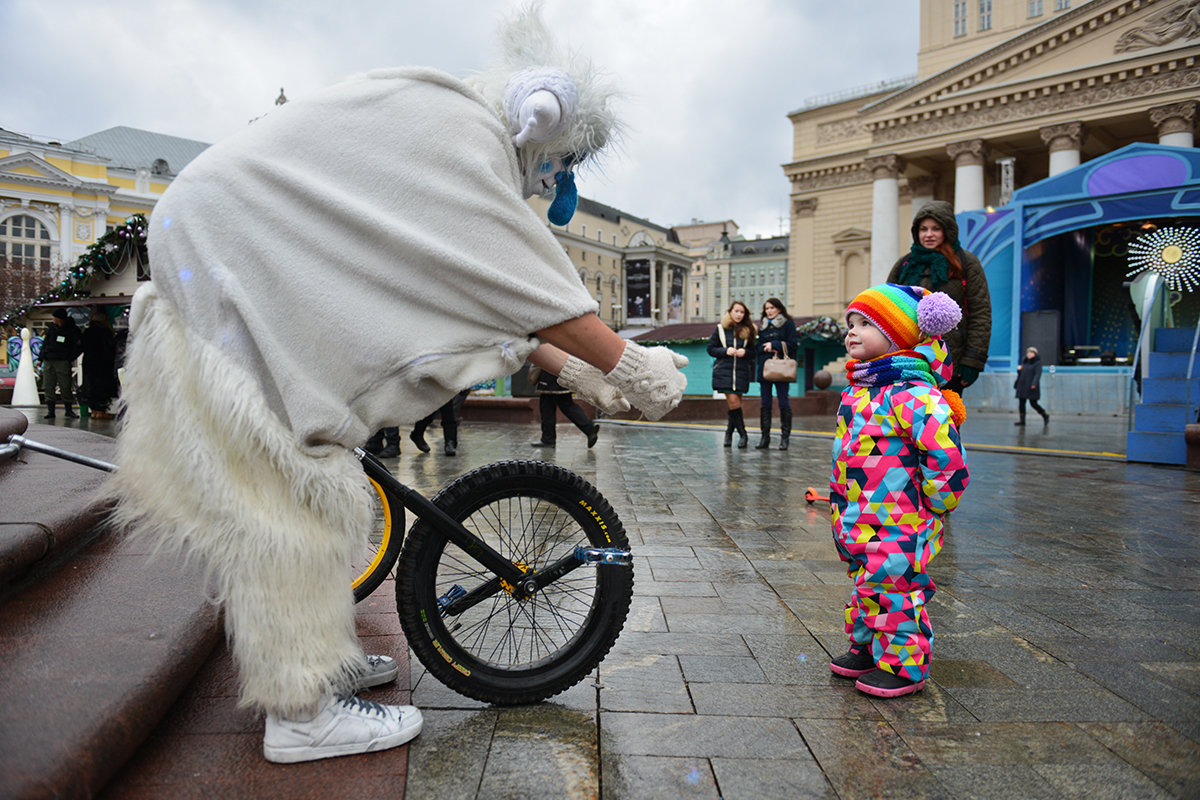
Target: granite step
[97,638]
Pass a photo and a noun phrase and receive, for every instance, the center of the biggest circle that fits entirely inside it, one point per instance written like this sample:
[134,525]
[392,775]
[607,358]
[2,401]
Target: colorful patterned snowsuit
[897,468]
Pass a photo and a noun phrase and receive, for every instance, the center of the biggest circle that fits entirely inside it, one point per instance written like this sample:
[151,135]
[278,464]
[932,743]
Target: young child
[897,469]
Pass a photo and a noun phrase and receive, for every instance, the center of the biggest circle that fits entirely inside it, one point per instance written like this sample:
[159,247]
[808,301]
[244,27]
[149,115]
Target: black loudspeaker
[1041,329]
[519,382]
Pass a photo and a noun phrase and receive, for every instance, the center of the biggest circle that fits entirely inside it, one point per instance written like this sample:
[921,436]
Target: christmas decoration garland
[126,242]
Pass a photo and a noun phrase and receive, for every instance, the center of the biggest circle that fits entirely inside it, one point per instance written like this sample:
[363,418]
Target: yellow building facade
[57,199]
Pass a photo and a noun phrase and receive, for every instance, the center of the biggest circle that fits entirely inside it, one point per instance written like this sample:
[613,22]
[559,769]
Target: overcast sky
[708,83]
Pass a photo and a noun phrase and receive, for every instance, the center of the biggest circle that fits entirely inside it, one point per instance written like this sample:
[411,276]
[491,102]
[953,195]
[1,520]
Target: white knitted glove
[650,378]
[588,382]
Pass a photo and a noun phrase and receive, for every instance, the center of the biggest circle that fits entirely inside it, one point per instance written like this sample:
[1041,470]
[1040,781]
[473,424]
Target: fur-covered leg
[273,523]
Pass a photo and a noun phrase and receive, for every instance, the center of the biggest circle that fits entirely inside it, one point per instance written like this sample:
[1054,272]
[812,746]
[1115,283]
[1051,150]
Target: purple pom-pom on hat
[938,314]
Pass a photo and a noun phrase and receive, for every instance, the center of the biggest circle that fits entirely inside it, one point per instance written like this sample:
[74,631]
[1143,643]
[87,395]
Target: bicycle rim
[504,650]
[371,567]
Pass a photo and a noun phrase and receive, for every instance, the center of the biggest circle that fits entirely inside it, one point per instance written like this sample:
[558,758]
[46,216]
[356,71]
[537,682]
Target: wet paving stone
[764,779]
[657,777]
[1067,634]
[792,701]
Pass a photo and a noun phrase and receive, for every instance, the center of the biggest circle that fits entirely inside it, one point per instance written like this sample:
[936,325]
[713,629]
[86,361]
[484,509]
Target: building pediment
[29,170]
[851,236]
[1143,47]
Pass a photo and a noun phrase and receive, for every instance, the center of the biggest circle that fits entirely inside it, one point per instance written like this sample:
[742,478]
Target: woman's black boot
[729,428]
[740,424]
[785,427]
[764,424]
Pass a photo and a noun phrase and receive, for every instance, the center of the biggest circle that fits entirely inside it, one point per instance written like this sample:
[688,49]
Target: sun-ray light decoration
[1173,253]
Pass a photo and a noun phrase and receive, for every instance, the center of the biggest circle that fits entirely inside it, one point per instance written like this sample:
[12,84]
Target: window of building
[1035,8]
[985,15]
[583,231]
[960,17]
[599,287]
[24,240]
[599,235]
[1062,5]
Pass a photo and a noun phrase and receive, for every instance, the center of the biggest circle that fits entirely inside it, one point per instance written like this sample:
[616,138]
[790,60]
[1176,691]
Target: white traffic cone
[25,391]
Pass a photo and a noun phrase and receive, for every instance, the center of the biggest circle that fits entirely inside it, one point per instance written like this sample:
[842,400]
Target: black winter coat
[783,333]
[1029,379]
[731,374]
[61,342]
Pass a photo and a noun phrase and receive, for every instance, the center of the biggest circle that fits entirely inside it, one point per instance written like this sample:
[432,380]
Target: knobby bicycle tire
[371,568]
[504,650]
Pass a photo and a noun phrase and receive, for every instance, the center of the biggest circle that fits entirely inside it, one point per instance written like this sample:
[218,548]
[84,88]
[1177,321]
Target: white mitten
[588,382]
[650,378]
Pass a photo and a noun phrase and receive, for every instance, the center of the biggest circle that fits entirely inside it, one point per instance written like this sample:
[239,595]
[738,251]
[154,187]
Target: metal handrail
[16,442]
[1191,360]
[1147,307]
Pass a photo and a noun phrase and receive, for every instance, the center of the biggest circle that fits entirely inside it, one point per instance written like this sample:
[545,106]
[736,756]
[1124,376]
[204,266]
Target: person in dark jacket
[553,397]
[938,263]
[99,366]
[61,345]
[732,345]
[776,337]
[1028,383]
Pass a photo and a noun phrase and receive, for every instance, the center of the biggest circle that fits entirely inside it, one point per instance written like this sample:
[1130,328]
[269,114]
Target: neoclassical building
[1008,92]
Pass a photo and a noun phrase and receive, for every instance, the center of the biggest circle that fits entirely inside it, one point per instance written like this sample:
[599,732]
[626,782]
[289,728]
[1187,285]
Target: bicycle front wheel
[506,650]
[371,567]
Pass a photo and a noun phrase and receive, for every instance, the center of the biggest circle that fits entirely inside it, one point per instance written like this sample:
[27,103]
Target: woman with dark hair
[938,263]
[777,337]
[731,345]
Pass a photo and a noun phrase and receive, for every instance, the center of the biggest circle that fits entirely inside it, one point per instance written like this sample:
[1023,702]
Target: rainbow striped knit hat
[907,314]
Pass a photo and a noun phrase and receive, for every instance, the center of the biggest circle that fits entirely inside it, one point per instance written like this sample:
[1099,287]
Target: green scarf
[918,259]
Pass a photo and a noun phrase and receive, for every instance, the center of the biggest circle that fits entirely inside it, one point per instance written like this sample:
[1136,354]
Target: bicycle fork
[507,576]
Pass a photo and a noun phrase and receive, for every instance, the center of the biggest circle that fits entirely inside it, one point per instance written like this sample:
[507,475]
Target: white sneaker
[344,726]
[380,670]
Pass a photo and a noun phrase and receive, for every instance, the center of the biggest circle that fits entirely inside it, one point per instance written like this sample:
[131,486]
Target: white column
[1176,123]
[968,160]
[885,213]
[1064,142]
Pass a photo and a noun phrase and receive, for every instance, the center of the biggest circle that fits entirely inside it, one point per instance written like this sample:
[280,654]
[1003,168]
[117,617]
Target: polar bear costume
[346,263]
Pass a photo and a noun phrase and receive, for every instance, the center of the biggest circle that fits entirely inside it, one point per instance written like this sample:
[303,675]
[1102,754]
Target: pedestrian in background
[777,338]
[552,398]
[898,468]
[937,262]
[1028,383]
[99,346]
[731,345]
[61,345]
[384,443]
[449,412]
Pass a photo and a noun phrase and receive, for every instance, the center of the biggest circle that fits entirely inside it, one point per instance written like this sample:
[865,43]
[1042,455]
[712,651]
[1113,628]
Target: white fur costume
[346,263]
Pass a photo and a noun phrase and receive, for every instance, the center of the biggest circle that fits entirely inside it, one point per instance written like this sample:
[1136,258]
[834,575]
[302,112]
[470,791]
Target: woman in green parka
[938,263]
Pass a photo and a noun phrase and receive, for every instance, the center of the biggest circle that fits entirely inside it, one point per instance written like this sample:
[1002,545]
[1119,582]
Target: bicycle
[488,582]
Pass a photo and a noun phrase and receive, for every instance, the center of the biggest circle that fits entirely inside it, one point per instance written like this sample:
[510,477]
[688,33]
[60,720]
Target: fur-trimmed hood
[943,214]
